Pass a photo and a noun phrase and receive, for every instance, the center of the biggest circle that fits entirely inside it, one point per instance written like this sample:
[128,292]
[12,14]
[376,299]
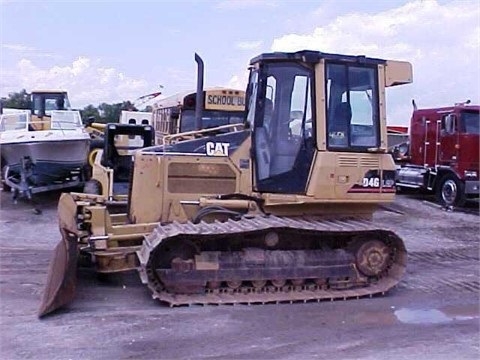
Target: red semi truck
[442,155]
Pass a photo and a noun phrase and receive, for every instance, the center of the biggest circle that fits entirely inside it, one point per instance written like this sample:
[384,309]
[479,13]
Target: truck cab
[443,154]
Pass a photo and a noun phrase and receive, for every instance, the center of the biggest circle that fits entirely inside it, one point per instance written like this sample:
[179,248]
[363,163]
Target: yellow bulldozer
[277,212]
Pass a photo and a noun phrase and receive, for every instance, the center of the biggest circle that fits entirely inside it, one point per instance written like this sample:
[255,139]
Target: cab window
[352,107]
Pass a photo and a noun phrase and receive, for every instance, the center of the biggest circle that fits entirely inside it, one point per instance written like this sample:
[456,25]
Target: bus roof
[177,99]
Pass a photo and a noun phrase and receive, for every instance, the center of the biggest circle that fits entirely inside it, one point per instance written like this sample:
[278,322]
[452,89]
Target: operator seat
[263,153]
[339,129]
[262,142]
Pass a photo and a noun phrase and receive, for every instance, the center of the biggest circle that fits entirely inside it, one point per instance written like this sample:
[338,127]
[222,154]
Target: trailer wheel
[93,187]
[450,191]
[5,187]
[3,164]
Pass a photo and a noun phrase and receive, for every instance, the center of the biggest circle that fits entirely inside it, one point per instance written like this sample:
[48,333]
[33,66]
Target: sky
[111,51]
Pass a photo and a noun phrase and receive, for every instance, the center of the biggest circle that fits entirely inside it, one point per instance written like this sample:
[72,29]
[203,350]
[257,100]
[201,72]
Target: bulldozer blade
[62,275]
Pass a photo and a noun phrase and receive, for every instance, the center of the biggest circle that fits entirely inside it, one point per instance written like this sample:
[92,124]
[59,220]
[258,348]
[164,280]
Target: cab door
[447,140]
[283,140]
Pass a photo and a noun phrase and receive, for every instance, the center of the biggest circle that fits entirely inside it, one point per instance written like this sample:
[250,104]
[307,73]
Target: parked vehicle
[442,155]
[276,212]
[44,148]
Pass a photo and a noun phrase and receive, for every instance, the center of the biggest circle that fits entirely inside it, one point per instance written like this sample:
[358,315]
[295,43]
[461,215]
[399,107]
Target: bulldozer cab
[300,103]
[315,133]
[43,103]
[121,141]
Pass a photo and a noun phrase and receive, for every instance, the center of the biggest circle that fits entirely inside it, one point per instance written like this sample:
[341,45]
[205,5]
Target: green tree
[18,100]
[110,113]
[128,106]
[90,111]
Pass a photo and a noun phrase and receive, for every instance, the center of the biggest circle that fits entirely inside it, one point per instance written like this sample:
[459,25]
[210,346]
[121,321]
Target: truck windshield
[471,122]
[352,106]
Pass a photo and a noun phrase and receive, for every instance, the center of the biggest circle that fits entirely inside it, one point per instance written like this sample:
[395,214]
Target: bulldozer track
[289,293]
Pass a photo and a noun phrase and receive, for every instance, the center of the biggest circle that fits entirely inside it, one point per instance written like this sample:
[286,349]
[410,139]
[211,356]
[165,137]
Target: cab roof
[311,56]
[47,91]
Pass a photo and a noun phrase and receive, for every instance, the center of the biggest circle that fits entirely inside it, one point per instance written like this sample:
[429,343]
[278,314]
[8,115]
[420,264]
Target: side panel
[147,188]
[168,187]
[352,178]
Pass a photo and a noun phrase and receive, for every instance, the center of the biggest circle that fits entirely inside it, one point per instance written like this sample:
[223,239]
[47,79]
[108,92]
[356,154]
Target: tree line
[103,113]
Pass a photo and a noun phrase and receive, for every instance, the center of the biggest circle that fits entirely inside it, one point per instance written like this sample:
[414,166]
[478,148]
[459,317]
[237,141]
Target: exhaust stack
[199,98]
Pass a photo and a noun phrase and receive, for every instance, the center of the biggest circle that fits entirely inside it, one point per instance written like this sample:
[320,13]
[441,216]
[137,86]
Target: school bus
[176,114]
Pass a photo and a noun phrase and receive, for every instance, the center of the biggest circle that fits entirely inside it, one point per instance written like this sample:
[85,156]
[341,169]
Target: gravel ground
[432,314]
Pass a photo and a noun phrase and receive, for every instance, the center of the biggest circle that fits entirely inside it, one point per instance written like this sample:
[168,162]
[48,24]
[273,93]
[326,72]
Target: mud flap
[62,275]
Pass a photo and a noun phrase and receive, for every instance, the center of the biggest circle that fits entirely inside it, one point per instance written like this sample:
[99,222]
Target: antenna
[463,103]
[145,98]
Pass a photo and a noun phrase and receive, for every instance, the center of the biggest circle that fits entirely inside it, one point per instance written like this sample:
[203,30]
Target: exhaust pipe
[199,98]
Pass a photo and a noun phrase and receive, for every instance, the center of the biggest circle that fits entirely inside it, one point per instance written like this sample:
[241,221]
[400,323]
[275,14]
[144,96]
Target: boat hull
[47,161]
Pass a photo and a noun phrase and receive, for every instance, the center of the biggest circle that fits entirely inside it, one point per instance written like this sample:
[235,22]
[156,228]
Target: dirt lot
[432,314]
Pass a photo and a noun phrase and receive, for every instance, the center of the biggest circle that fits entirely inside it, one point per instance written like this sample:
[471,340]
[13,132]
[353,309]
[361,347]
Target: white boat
[42,155]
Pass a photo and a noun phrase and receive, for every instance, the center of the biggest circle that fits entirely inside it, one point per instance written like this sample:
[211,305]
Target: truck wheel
[450,191]
[93,187]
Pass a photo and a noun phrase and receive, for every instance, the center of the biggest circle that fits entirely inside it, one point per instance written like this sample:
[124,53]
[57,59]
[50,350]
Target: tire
[93,187]
[6,188]
[3,165]
[450,191]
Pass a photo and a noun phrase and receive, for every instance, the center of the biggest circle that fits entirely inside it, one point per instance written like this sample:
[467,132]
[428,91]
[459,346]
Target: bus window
[177,113]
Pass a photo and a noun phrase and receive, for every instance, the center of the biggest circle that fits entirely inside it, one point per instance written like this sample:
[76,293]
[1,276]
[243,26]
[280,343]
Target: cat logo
[217,149]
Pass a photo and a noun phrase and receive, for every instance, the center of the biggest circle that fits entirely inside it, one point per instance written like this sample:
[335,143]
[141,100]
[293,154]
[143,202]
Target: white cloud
[442,41]
[249,45]
[18,47]
[87,81]
[26,50]
[238,81]
[244,4]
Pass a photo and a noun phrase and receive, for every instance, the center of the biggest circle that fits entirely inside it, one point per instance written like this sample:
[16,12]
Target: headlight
[470,174]
[403,149]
